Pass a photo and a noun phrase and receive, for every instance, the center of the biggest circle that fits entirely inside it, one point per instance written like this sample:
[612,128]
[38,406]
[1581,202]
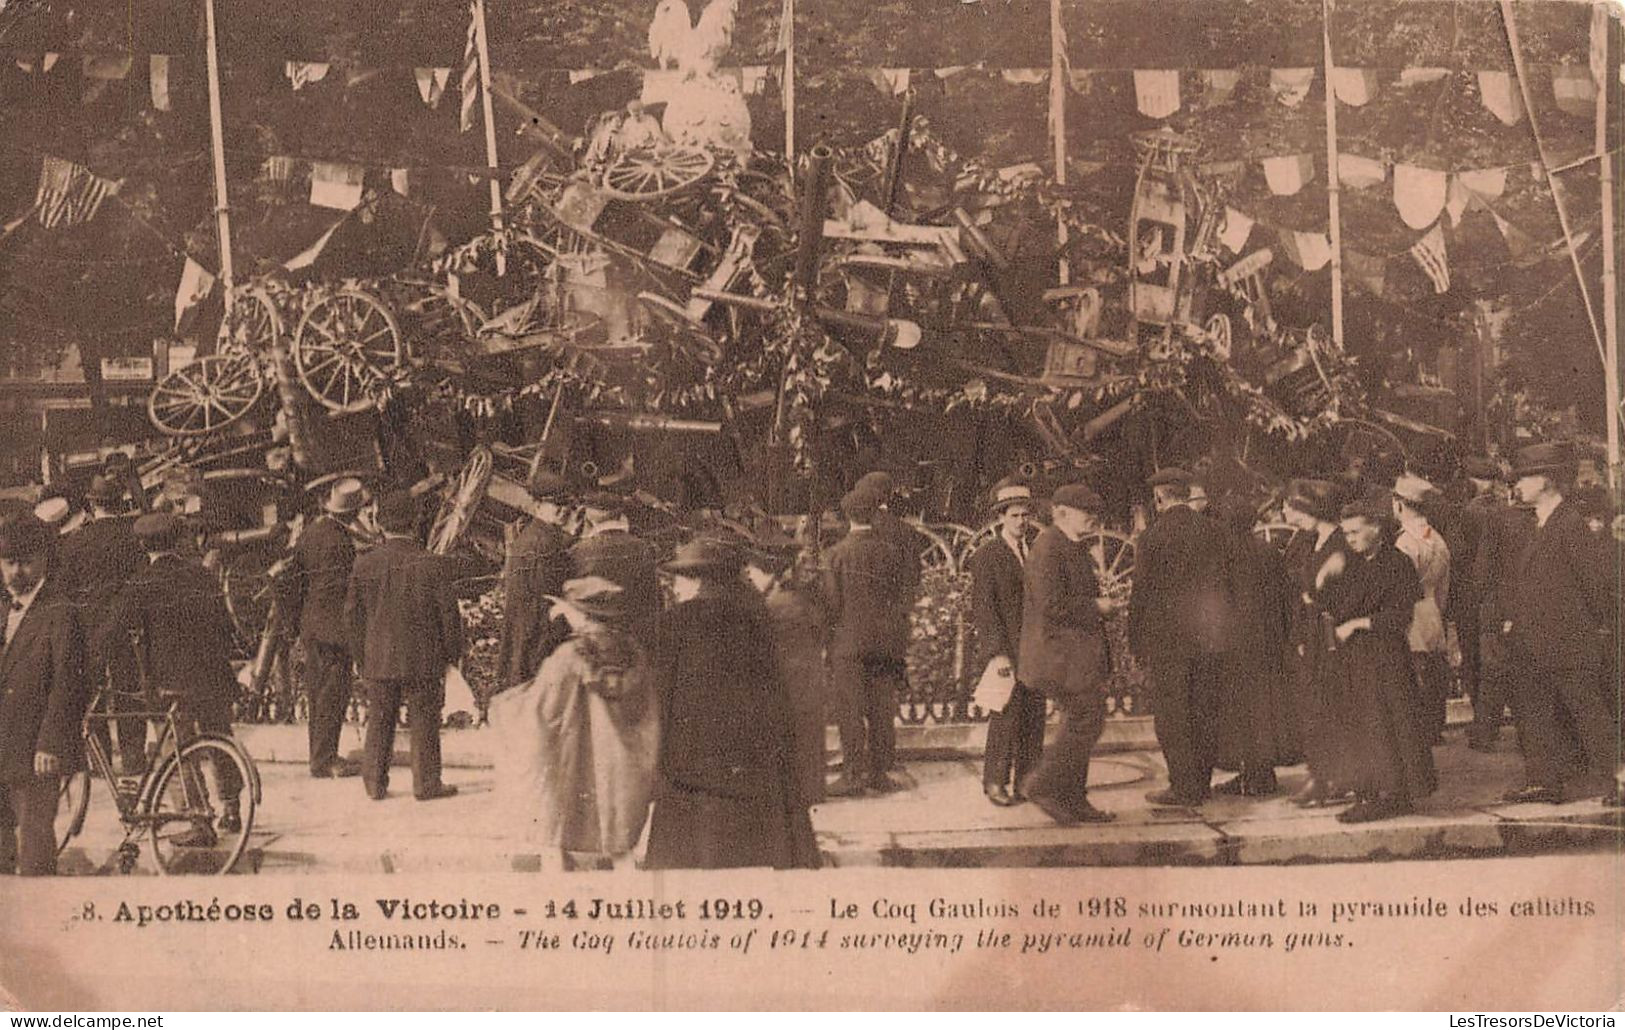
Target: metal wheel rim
[340,369]
[253,323]
[229,847]
[73,800]
[649,173]
[206,395]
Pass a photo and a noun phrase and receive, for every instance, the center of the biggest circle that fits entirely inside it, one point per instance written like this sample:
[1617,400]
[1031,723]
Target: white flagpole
[1610,286]
[1057,114]
[218,145]
[789,90]
[484,52]
[1333,203]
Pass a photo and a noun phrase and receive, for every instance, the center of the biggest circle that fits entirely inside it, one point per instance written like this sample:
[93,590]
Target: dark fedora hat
[1479,466]
[1543,459]
[708,555]
[25,535]
[1316,498]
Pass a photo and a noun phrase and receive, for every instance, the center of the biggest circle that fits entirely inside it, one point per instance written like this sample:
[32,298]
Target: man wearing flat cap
[1175,629]
[174,612]
[864,587]
[42,694]
[608,548]
[1063,653]
[404,629]
[1559,625]
[1015,733]
[537,566]
[317,577]
[98,559]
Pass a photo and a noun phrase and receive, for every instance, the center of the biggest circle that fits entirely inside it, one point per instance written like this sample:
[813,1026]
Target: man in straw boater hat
[318,576]
[1064,653]
[176,614]
[1560,621]
[98,559]
[42,694]
[1413,499]
[1015,729]
[866,590]
[404,629]
[1316,557]
[1175,629]
[537,566]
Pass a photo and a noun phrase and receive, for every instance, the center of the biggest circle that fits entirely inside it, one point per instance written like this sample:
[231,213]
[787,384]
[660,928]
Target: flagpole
[1333,197]
[1057,116]
[218,145]
[484,52]
[789,91]
[1610,287]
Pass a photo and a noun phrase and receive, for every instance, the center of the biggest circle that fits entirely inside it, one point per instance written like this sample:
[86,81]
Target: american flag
[471,74]
[1429,253]
[69,193]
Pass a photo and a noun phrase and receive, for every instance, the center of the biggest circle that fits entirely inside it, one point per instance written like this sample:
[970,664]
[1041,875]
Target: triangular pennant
[1430,256]
[431,84]
[1419,194]
[158,78]
[1287,174]
[1156,91]
[893,82]
[1359,172]
[1354,86]
[1575,90]
[1025,76]
[1310,251]
[1456,200]
[1501,96]
[1366,269]
[1237,227]
[336,185]
[1291,85]
[400,180]
[308,256]
[196,283]
[303,73]
[1218,84]
[1488,183]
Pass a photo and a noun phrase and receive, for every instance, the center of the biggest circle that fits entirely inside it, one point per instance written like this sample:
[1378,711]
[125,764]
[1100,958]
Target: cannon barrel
[814,203]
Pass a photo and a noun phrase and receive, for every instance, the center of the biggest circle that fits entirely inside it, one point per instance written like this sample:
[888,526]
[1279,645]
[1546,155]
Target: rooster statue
[696,49]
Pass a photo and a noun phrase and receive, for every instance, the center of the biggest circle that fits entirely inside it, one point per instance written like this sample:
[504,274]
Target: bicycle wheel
[72,801]
[185,806]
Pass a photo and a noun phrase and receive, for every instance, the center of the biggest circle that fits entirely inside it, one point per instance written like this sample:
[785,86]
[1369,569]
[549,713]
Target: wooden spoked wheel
[346,345]
[247,585]
[252,324]
[648,173]
[1219,335]
[940,554]
[557,240]
[1276,534]
[206,395]
[1113,555]
[457,507]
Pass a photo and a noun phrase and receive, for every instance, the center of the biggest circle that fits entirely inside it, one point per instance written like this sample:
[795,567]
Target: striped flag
[1429,253]
[471,75]
[69,193]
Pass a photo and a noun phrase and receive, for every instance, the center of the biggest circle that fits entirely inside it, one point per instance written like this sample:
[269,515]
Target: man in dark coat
[1315,558]
[176,613]
[1015,733]
[98,559]
[1559,625]
[42,694]
[318,576]
[404,629]
[609,549]
[537,566]
[908,541]
[1064,654]
[1497,532]
[865,588]
[1175,629]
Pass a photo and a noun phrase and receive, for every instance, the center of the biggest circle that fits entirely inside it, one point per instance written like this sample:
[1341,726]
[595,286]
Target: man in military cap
[404,629]
[864,588]
[537,566]
[317,577]
[98,559]
[1559,624]
[42,694]
[1176,631]
[174,613]
[1063,653]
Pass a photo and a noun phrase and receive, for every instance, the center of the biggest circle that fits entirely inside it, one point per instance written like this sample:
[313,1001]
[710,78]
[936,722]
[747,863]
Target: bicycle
[172,801]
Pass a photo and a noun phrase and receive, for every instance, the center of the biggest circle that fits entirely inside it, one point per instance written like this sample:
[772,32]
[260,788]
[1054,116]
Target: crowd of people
[680,720]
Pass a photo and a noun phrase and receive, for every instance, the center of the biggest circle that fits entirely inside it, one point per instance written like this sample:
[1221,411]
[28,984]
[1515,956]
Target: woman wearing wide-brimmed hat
[729,794]
[787,576]
[582,737]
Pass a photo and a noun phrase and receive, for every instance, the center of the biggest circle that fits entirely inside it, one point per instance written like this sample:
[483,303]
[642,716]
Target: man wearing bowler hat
[98,559]
[1175,629]
[1496,532]
[404,629]
[537,566]
[864,588]
[1015,733]
[1063,653]
[318,576]
[1559,624]
[175,615]
[42,694]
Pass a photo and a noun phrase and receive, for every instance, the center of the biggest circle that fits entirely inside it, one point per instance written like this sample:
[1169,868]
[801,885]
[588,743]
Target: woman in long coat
[1315,559]
[799,631]
[1389,762]
[1257,713]
[729,794]
[577,765]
